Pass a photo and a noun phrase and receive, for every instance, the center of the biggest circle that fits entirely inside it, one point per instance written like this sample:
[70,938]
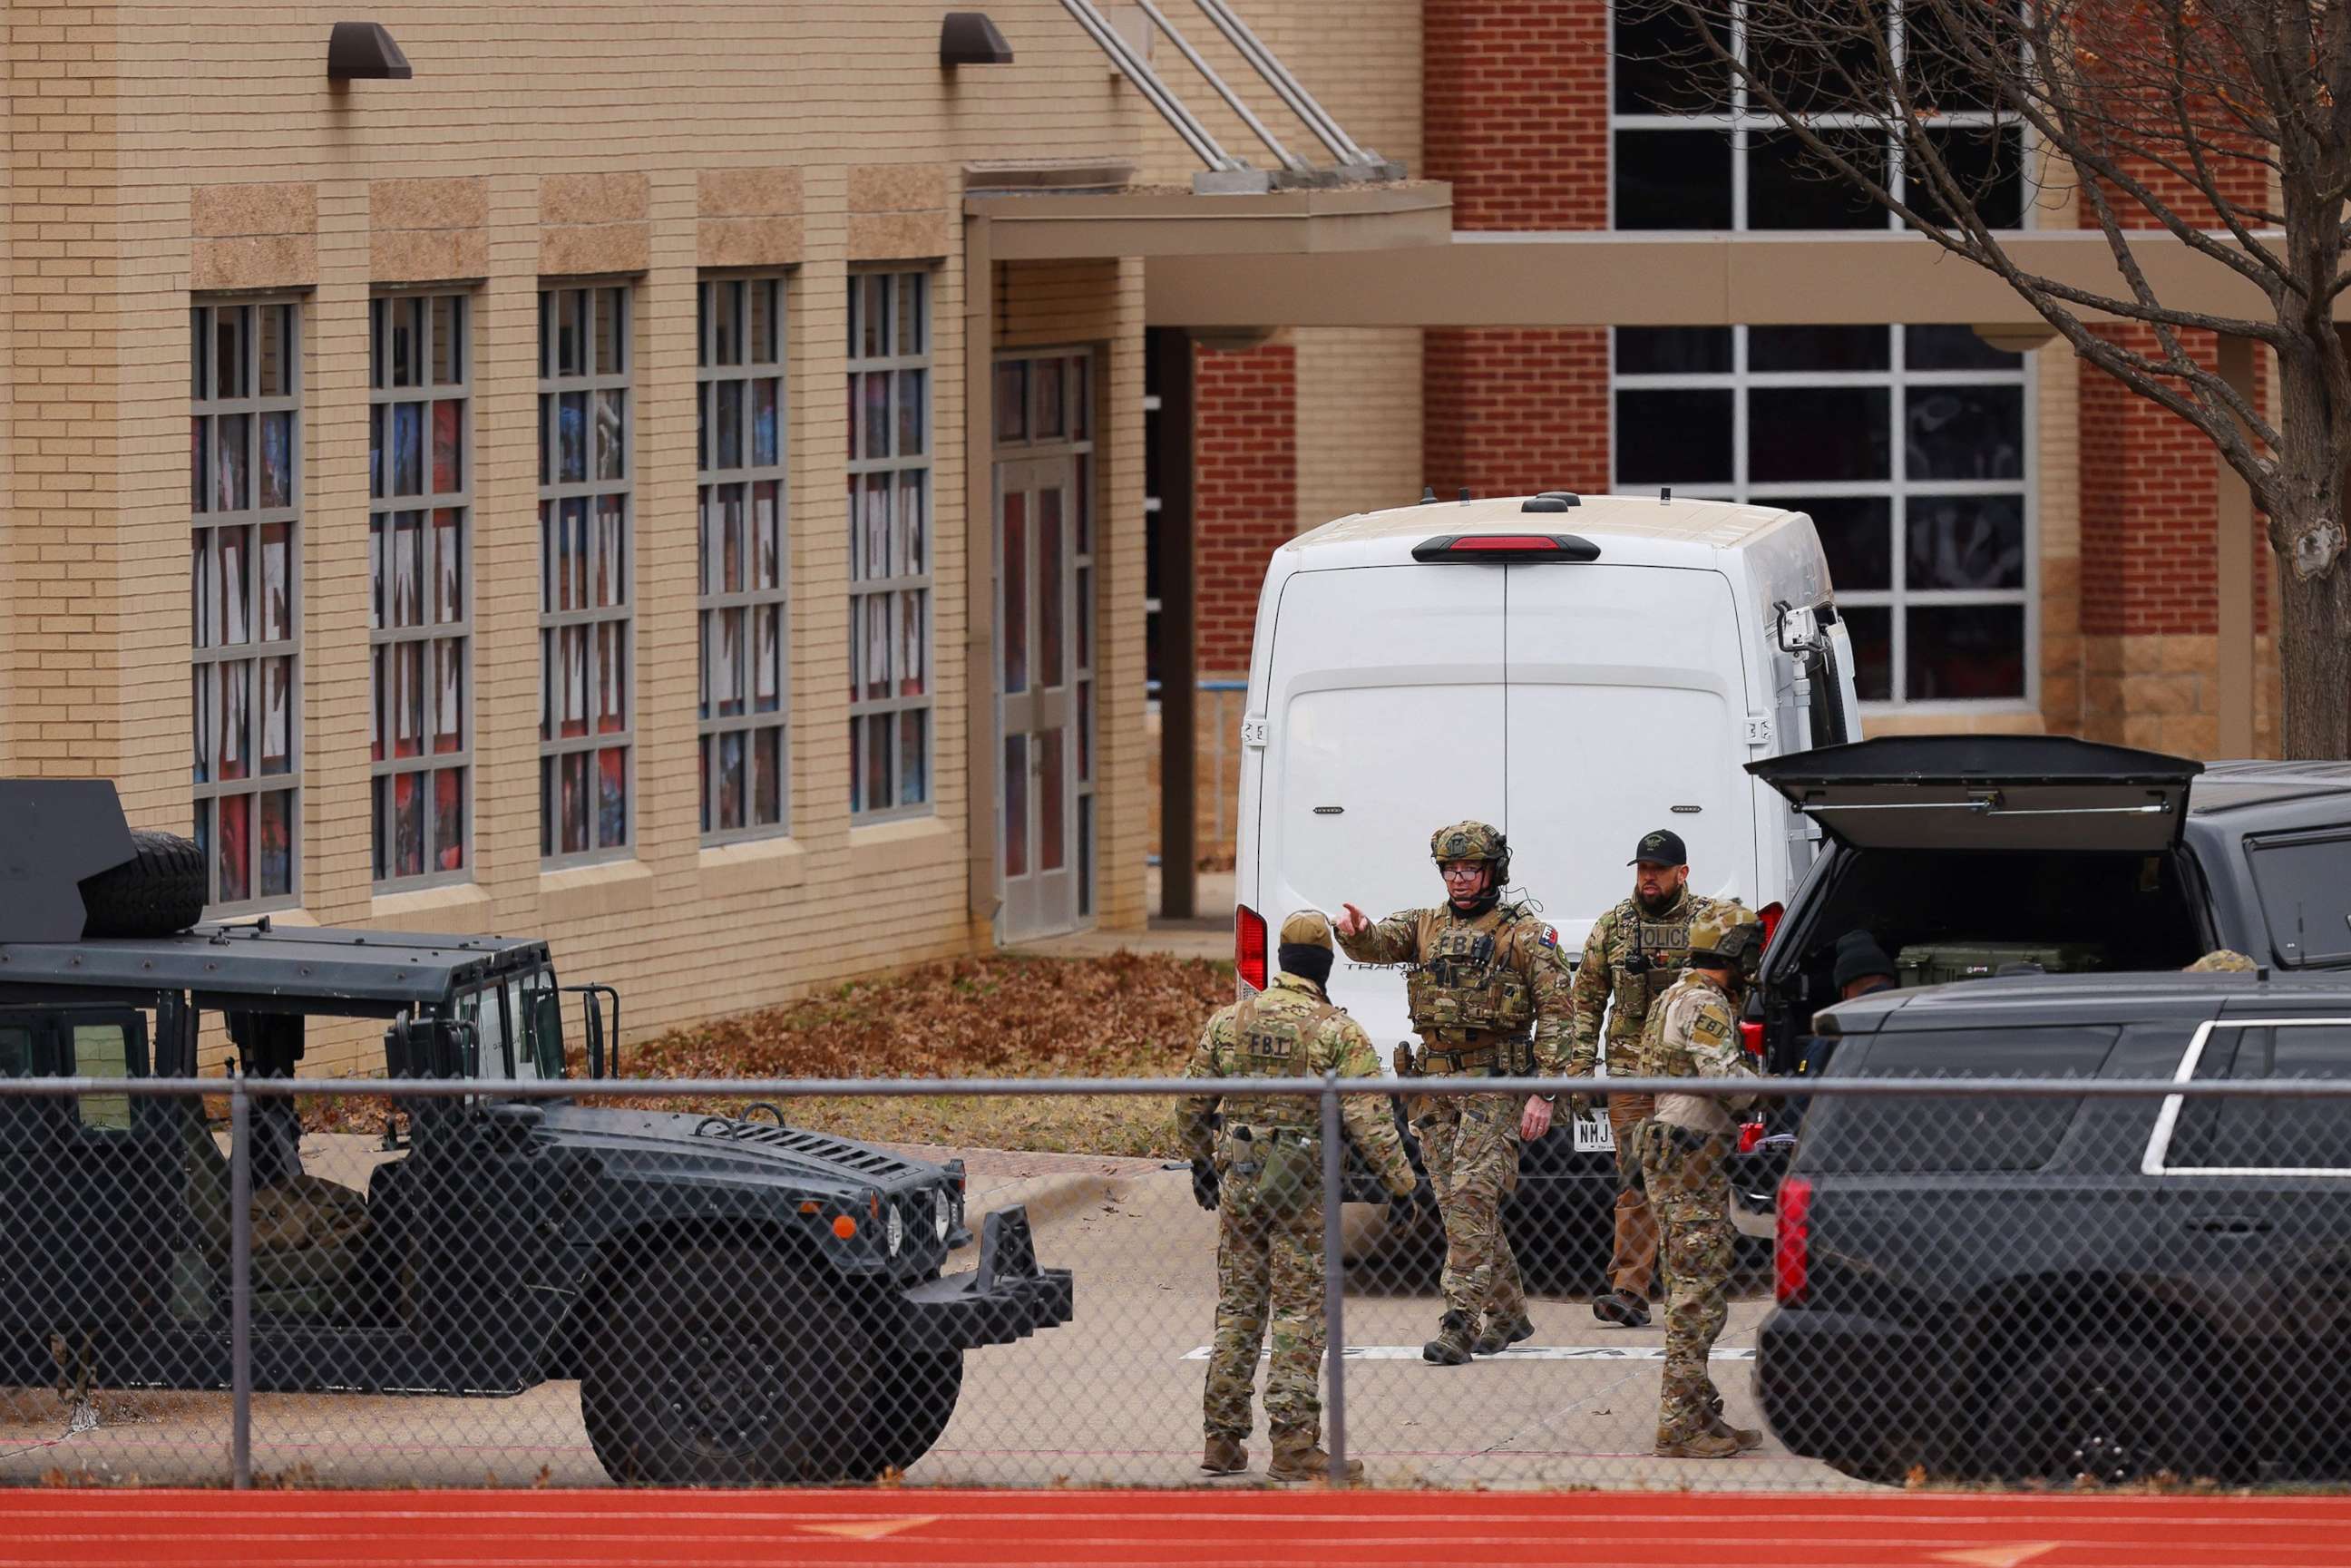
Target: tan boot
[1499,1334]
[1299,1457]
[1224,1456]
[1451,1345]
[1696,1445]
[1745,1437]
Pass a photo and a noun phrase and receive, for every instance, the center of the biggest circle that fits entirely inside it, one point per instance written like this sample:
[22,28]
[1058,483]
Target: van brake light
[1770,915]
[1751,1035]
[1506,548]
[1792,1257]
[1249,944]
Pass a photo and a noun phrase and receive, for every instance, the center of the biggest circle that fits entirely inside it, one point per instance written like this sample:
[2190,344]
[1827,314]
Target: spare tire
[159,891]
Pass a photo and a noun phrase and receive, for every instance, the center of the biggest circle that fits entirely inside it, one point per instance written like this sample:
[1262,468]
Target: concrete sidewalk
[1209,935]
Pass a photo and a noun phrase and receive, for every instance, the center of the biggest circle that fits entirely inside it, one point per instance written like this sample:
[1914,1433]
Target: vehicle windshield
[520,1026]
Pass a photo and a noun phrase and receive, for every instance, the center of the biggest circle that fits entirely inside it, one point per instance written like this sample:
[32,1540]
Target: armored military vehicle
[741,1302]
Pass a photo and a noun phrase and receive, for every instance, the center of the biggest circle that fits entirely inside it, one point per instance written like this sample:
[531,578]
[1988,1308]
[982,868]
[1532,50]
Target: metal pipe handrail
[1311,114]
[1136,69]
[1232,100]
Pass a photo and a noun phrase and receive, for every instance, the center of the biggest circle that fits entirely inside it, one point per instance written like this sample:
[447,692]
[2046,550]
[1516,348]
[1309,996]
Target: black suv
[2132,860]
[2020,1289]
[742,1302]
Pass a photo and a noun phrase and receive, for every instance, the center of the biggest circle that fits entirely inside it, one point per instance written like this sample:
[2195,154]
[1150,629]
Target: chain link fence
[452,1282]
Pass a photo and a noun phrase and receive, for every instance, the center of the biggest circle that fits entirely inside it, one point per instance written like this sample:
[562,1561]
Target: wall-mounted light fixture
[363,51]
[969,39]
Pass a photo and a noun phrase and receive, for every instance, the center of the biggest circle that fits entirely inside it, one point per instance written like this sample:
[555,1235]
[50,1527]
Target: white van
[1575,670]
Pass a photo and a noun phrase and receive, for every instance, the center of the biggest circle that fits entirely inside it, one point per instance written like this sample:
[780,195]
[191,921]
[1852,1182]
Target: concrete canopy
[1618,279]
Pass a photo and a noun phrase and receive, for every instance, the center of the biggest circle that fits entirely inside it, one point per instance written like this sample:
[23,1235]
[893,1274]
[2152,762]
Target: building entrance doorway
[1044,643]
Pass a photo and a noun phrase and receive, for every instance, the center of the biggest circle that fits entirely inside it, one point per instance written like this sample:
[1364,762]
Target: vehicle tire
[157,891]
[728,1363]
[2117,1413]
[914,1399]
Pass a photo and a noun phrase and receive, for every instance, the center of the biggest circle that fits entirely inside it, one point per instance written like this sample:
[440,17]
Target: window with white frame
[1907,446]
[740,453]
[889,544]
[585,566]
[420,587]
[245,497]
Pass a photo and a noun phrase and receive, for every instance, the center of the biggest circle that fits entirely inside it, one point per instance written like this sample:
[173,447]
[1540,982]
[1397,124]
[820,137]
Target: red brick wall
[1245,489]
[1515,97]
[1508,411]
[1514,106]
[2150,498]
[2150,480]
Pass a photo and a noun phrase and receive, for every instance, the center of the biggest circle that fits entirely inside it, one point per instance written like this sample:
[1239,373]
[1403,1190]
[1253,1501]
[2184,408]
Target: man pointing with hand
[1490,997]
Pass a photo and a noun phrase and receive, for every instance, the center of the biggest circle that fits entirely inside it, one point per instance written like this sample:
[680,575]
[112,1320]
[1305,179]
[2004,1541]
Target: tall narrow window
[584,644]
[245,499]
[420,587]
[889,544]
[741,458]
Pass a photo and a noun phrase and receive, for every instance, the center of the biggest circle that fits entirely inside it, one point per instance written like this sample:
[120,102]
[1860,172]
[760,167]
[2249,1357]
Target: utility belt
[1679,1140]
[1283,1164]
[1451,1051]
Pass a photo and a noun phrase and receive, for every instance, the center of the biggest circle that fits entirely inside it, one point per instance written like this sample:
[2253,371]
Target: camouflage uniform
[1692,1033]
[2223,961]
[1268,1161]
[1477,983]
[1631,957]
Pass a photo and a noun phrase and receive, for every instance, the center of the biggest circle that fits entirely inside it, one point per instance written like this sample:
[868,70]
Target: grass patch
[1128,1015]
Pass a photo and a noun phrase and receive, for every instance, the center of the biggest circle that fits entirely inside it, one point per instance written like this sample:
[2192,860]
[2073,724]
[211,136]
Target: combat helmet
[1473,840]
[2223,961]
[1728,936]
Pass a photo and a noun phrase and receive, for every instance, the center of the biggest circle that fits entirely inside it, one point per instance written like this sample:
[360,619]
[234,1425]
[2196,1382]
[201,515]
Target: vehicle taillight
[1506,547]
[1751,1035]
[1750,1135]
[1770,915]
[1249,944]
[1792,1259]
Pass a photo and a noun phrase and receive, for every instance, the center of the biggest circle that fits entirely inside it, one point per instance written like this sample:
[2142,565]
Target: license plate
[1593,1135]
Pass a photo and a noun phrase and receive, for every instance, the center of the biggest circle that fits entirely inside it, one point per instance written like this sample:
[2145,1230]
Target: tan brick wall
[647,138]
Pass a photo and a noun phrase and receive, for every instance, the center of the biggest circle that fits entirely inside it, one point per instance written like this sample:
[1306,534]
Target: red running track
[1118,1528]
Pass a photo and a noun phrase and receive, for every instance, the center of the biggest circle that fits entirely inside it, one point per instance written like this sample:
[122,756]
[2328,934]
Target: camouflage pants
[1692,1199]
[1266,1264]
[1469,1146]
[1633,1264]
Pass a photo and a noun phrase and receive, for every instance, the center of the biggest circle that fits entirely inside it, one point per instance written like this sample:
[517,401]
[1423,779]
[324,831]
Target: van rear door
[1627,690]
[1385,710]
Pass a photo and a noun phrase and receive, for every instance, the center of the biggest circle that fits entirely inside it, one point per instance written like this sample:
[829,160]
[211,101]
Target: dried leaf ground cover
[1126,1016]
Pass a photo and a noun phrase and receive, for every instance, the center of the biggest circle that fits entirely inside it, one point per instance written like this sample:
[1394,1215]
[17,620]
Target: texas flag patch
[1551,937]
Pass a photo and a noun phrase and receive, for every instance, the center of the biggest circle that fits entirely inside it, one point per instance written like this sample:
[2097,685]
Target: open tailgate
[1986,792]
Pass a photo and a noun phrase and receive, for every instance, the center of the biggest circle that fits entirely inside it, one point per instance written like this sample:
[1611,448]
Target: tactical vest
[1656,1061]
[1649,958]
[1462,993]
[1271,1042]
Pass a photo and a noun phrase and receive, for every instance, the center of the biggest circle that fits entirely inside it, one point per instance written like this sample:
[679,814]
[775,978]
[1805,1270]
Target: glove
[1417,1199]
[1204,1183]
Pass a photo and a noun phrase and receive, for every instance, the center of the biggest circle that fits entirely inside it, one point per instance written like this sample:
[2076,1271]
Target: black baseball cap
[1663,847]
